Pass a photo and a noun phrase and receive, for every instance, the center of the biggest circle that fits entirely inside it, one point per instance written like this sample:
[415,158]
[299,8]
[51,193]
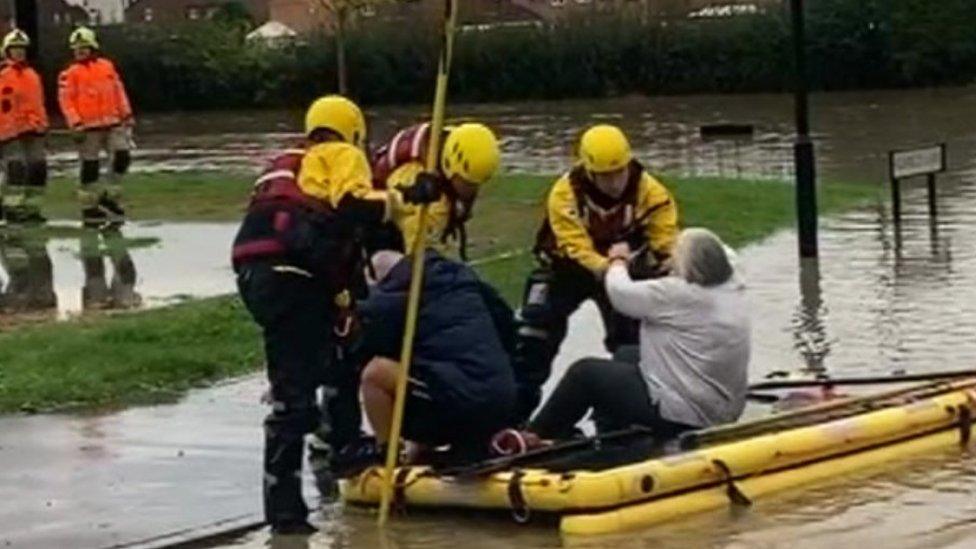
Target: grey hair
[383,262]
[700,257]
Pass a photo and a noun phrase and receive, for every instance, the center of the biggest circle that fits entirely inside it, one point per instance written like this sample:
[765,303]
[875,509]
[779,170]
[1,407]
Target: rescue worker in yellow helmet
[606,198]
[295,253]
[469,158]
[23,125]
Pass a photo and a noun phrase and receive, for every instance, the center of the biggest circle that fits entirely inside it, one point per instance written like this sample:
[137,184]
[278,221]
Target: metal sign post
[927,161]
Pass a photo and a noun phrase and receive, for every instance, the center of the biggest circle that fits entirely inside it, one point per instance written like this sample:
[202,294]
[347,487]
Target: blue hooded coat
[465,334]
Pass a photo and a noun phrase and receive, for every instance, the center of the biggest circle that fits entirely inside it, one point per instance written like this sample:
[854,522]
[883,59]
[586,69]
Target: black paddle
[864,380]
[504,463]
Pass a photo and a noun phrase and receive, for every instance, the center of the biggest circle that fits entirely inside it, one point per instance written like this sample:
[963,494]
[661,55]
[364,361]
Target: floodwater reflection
[97,249]
[29,286]
[65,271]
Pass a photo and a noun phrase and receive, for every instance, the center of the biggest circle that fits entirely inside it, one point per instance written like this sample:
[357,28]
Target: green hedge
[853,44]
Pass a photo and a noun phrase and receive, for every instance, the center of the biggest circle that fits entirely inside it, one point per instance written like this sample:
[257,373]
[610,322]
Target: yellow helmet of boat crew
[15,39]
[471,152]
[604,148]
[83,37]
[339,114]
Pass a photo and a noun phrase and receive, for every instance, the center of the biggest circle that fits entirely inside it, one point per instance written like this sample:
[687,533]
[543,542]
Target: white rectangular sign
[917,162]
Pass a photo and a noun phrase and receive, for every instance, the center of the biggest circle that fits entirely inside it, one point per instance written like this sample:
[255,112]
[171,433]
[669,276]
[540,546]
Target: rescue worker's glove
[426,189]
[645,265]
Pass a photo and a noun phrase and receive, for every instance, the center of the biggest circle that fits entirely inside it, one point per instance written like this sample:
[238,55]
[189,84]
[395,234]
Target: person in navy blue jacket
[461,386]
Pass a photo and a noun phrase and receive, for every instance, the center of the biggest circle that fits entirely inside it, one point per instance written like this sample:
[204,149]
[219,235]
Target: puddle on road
[65,271]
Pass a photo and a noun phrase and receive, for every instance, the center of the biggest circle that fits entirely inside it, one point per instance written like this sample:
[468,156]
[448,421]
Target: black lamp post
[803,154]
[25,14]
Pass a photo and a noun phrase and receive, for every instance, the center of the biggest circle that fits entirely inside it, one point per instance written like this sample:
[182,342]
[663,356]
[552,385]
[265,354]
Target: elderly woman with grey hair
[694,349]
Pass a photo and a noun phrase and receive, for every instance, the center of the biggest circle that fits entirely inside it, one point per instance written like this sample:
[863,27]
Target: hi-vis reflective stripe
[535,333]
[418,140]
[274,175]
[392,149]
[291,270]
[415,144]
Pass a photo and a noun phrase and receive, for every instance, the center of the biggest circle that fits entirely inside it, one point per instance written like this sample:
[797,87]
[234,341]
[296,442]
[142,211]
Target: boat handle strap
[965,424]
[736,497]
[400,486]
[516,499]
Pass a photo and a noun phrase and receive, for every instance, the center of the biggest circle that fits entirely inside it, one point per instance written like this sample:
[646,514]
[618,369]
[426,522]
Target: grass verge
[143,357]
[164,196]
[153,355]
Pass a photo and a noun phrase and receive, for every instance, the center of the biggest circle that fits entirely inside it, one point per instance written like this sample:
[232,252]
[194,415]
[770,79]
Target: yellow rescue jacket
[407,218]
[582,223]
[336,171]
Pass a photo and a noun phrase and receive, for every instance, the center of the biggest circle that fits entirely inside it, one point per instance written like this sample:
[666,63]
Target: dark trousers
[615,391]
[551,296]
[342,416]
[296,315]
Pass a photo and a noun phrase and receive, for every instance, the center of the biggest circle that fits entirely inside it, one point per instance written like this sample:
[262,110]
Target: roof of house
[271,30]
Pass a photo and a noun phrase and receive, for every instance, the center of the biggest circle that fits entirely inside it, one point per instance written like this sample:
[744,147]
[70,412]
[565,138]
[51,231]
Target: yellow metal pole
[417,267]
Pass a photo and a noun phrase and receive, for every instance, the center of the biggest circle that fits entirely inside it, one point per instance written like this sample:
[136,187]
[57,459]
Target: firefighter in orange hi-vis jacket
[23,123]
[95,106]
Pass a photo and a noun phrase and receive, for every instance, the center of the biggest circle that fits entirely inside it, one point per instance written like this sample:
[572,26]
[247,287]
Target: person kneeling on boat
[461,387]
[694,349]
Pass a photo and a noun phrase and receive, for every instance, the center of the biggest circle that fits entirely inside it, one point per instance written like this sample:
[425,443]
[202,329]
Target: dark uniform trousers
[296,313]
[552,294]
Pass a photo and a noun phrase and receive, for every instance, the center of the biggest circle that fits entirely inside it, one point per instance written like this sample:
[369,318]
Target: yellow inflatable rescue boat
[705,470]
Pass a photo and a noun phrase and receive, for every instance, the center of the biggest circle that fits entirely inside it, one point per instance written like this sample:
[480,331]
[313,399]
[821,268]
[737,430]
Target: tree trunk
[340,41]
[26,20]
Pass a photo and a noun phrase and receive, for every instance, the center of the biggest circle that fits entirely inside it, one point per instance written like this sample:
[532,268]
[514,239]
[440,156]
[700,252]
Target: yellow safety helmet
[15,39]
[83,37]
[471,151]
[604,148]
[336,113]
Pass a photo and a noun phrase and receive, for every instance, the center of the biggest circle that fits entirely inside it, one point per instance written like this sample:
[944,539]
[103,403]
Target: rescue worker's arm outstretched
[339,174]
[572,237]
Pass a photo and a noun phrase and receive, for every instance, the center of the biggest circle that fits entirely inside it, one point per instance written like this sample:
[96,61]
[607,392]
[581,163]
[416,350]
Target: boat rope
[516,499]
[400,486]
[736,497]
[966,418]
[965,424]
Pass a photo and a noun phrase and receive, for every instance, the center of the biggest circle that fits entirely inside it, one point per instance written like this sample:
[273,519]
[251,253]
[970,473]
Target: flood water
[853,132]
[139,265]
[879,300]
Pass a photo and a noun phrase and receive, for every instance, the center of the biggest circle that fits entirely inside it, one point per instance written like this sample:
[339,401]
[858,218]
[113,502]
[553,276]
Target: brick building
[176,11]
[51,14]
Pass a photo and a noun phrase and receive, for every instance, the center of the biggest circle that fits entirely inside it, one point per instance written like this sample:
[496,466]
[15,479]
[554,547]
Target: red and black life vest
[276,203]
[408,145]
[607,220]
[279,184]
